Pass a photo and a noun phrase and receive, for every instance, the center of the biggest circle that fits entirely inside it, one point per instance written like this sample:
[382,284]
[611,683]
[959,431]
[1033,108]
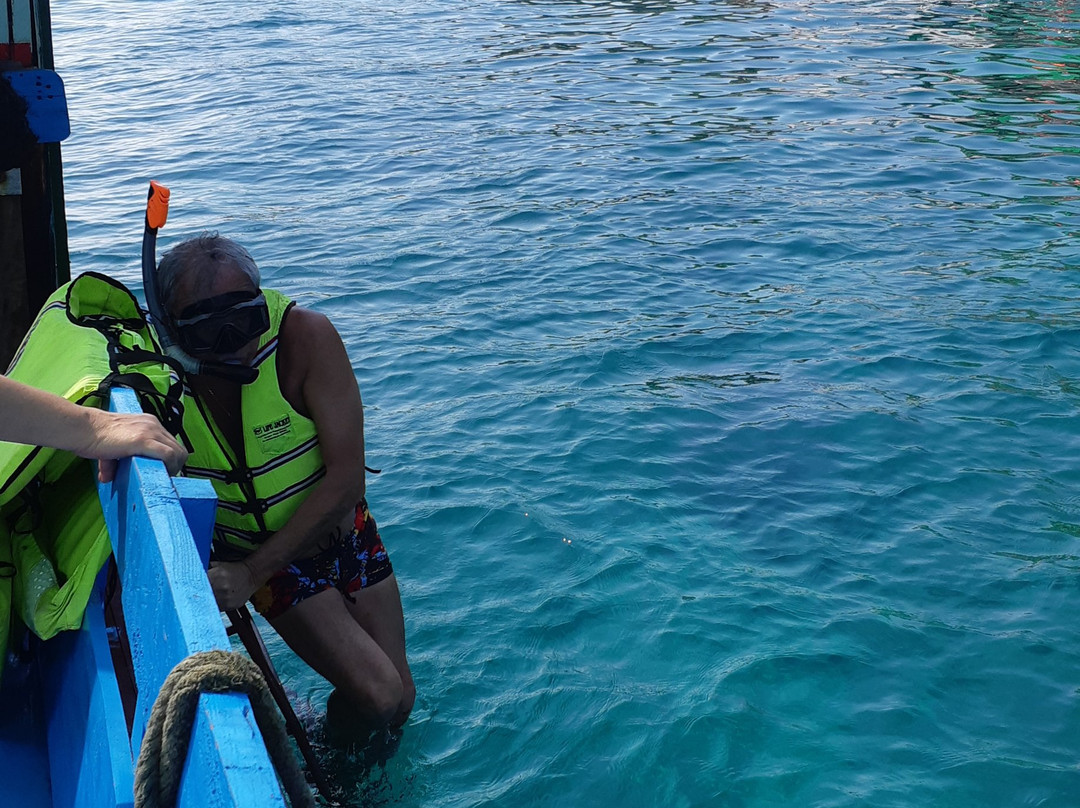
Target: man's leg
[323,633]
[377,609]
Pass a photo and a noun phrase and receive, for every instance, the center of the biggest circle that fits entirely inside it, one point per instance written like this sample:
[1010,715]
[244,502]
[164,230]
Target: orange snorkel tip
[157,205]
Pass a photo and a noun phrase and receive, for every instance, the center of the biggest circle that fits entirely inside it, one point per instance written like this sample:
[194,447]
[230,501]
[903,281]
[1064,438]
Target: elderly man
[285,453]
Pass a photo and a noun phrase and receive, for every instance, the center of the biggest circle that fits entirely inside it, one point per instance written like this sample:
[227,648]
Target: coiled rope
[168,732]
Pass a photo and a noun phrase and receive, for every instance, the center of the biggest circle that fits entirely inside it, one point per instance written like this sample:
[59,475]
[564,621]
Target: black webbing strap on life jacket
[124,360]
[166,407]
[26,517]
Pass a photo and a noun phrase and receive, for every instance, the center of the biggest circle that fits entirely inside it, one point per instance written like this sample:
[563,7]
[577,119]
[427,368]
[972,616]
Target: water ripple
[719,356]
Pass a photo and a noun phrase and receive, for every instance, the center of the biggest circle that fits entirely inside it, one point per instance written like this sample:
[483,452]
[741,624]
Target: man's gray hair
[202,256]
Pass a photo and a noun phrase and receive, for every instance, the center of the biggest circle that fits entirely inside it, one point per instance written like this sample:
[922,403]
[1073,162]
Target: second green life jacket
[89,336]
[260,489]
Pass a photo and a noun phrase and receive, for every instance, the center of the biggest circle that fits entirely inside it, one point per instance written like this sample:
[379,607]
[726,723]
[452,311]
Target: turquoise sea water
[720,358]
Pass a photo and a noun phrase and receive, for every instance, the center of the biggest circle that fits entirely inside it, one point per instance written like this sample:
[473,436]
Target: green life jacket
[88,337]
[281,463]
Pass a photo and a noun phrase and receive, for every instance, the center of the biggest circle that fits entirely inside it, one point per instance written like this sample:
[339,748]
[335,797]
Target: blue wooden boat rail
[160,530]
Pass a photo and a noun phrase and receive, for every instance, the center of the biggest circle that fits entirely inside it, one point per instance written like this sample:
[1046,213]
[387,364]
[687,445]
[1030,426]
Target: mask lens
[225,330]
[240,330]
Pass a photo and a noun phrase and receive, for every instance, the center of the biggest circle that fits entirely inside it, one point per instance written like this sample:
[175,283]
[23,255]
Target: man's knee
[374,702]
[408,699]
[386,700]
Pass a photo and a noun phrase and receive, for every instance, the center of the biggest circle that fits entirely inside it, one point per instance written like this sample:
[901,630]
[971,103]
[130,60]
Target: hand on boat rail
[40,418]
[115,435]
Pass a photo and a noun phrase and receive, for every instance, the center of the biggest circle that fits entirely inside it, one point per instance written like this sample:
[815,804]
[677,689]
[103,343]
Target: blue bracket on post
[171,614]
[46,103]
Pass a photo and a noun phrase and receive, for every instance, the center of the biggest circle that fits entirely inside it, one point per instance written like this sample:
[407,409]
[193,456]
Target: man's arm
[332,400]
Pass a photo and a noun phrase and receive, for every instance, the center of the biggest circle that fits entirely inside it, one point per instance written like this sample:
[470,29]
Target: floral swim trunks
[357,561]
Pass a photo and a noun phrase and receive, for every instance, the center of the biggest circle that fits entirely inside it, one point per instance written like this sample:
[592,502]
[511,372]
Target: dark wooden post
[33,228]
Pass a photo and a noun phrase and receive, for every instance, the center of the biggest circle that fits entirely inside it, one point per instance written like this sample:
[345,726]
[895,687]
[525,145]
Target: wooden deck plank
[89,750]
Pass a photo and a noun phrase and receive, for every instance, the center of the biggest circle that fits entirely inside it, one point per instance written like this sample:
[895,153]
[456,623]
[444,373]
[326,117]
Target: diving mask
[222,324]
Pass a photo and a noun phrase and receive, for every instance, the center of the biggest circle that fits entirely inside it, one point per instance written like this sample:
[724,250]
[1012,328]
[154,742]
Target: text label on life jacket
[274,429]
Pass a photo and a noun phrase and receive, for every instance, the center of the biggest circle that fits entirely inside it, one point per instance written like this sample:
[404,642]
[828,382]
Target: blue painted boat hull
[64,739]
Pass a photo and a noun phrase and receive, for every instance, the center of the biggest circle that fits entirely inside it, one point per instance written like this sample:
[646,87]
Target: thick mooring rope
[168,732]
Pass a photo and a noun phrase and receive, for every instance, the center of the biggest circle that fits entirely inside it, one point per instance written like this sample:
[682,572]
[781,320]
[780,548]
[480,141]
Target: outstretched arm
[29,415]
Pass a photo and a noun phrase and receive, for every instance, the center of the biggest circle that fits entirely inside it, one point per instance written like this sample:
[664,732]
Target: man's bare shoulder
[305,328]
[307,343]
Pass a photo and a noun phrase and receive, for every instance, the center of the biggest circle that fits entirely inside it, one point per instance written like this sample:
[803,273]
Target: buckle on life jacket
[238,475]
[252,507]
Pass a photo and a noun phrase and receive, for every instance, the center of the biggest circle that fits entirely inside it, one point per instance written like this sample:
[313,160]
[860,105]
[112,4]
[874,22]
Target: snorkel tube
[157,211]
